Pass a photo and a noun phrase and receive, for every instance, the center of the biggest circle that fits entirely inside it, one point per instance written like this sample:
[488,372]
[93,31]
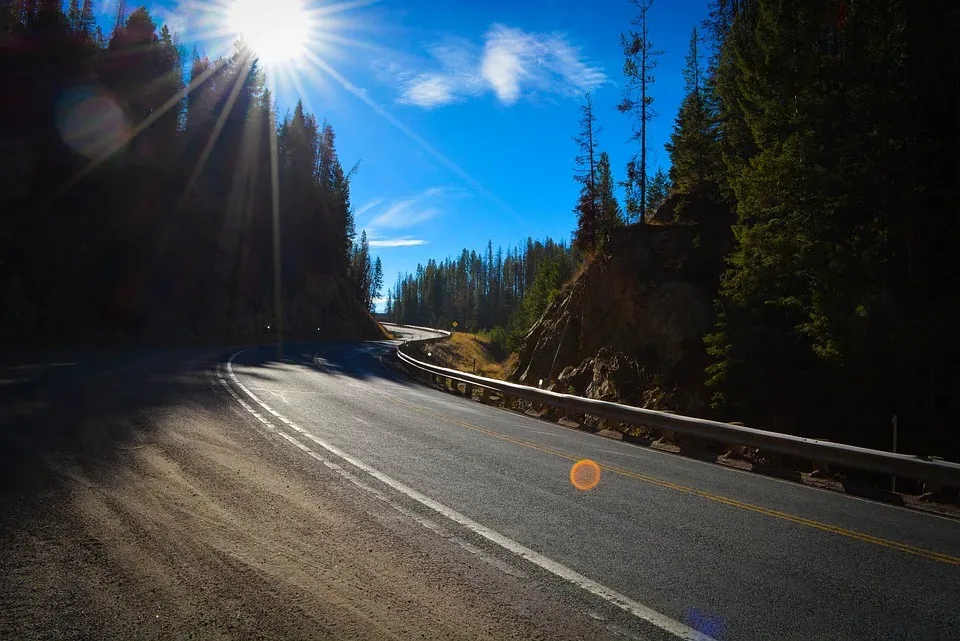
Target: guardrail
[902,465]
[442,333]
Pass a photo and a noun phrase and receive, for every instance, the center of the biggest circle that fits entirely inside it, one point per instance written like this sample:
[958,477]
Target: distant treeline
[137,200]
[506,290]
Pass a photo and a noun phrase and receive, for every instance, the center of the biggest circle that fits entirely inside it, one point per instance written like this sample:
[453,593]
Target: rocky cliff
[629,326]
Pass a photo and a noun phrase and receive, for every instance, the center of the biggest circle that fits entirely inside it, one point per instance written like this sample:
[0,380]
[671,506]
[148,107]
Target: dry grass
[473,353]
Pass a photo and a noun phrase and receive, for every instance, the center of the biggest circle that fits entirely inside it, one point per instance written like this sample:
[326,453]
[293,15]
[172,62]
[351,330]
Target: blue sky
[461,114]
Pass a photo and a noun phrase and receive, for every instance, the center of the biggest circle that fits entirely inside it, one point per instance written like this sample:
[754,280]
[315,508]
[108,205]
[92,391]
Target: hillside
[629,326]
[474,353]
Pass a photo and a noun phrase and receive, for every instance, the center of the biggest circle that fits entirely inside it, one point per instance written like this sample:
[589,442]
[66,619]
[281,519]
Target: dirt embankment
[473,353]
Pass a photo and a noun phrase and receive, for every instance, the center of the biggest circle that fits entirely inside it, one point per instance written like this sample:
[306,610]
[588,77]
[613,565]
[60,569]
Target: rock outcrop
[629,327]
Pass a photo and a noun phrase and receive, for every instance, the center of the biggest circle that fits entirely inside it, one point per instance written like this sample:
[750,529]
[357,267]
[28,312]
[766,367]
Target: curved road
[664,547]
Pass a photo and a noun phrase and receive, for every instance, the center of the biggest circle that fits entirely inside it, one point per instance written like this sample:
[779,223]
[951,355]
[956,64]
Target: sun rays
[295,43]
[277,32]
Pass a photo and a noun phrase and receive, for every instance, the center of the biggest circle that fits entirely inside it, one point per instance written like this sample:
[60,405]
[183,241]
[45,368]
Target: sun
[278,31]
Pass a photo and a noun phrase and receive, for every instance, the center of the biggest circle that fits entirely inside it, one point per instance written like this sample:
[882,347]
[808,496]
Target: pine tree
[73,16]
[768,284]
[336,183]
[168,84]
[843,236]
[146,75]
[87,24]
[609,217]
[658,189]
[198,252]
[28,11]
[361,271]
[201,98]
[585,173]
[637,102]
[9,15]
[693,147]
[376,283]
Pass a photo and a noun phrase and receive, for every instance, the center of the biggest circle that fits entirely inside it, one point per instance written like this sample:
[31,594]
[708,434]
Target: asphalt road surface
[460,519]
[729,553]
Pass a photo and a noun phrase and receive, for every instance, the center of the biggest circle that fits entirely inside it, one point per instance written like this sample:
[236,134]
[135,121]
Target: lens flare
[585,475]
[91,122]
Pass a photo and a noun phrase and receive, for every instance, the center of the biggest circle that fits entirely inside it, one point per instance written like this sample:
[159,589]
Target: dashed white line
[621,601]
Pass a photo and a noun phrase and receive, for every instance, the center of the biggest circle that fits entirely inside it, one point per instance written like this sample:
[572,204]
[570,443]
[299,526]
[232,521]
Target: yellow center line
[825,527]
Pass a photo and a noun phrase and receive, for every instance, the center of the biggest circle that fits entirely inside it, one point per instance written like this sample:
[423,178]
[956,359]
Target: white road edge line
[625,603]
[425,522]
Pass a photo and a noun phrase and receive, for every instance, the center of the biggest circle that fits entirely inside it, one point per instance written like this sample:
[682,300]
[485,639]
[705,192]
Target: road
[745,554]
[477,504]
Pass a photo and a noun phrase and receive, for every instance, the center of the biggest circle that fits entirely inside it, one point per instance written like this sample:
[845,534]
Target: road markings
[506,568]
[825,527]
[274,390]
[625,603]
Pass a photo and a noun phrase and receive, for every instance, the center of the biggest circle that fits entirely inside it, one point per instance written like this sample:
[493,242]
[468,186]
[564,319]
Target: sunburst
[282,35]
[277,32]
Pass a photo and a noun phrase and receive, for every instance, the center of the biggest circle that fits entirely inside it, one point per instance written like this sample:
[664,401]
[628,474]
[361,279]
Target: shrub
[498,336]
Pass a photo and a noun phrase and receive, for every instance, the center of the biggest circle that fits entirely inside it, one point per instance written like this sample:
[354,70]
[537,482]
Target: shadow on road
[88,413]
[79,418]
[358,361]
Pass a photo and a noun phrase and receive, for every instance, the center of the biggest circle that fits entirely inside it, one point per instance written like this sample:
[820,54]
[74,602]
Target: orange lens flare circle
[585,475]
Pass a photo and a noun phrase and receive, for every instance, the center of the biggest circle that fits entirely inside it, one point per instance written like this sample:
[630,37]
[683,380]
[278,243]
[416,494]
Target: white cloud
[367,207]
[506,61]
[405,213]
[429,90]
[394,216]
[458,78]
[567,61]
[397,242]
[511,63]
[409,212]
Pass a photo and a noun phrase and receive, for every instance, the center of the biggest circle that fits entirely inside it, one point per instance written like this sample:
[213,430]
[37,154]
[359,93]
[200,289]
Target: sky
[461,114]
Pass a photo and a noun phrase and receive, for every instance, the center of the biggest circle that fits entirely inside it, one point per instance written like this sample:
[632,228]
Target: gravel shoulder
[139,501]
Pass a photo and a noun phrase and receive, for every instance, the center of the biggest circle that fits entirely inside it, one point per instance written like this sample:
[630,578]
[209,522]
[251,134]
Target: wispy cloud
[398,242]
[430,90]
[511,63]
[367,207]
[506,61]
[412,211]
[404,213]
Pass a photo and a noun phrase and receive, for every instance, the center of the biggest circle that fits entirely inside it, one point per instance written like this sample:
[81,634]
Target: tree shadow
[89,412]
[357,361]
[86,411]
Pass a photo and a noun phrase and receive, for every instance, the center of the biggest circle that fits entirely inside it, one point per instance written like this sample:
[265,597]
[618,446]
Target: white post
[893,483]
